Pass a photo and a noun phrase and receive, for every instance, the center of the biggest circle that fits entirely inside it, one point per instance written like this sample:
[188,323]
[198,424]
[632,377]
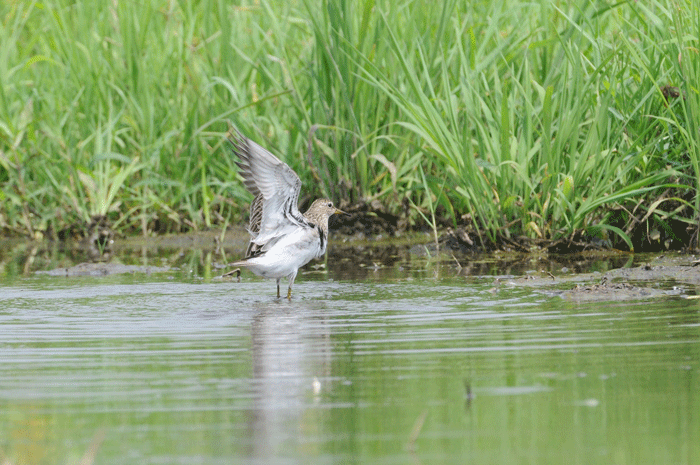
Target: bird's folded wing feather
[266,176]
[254,225]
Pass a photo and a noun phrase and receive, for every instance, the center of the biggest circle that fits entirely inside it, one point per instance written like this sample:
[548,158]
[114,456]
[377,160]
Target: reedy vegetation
[538,119]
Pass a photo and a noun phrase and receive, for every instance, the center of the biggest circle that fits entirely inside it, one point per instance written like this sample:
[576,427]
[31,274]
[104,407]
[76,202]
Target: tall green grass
[540,120]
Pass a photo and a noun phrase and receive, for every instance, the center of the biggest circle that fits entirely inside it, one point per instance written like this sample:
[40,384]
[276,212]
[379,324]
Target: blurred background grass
[544,120]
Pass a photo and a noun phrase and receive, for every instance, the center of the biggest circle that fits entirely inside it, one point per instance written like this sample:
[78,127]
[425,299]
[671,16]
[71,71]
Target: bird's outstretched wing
[274,212]
[254,224]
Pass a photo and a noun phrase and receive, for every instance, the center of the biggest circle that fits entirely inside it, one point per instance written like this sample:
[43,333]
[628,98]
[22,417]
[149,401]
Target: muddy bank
[662,276]
[373,220]
[102,269]
[462,235]
[592,275]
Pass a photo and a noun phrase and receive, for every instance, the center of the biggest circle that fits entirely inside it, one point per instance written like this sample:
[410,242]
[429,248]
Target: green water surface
[395,367]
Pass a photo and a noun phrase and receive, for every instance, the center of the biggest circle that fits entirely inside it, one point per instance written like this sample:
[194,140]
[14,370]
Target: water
[405,360]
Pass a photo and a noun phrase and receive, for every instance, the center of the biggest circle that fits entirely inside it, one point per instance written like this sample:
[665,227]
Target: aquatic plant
[522,122]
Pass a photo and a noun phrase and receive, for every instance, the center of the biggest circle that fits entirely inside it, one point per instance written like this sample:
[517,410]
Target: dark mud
[368,220]
[462,235]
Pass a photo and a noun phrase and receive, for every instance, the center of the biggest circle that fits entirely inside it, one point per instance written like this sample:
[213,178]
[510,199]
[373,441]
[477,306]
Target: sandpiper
[282,239]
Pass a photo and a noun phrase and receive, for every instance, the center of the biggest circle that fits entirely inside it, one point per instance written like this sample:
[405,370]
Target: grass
[540,121]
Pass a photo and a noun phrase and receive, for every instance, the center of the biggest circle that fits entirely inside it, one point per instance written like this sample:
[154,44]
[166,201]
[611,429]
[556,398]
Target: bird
[282,238]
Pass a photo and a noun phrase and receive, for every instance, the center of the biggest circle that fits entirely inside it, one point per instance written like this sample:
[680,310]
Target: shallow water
[386,358]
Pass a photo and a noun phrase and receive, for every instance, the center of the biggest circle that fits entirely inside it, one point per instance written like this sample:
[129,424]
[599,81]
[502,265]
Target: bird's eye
[330,204]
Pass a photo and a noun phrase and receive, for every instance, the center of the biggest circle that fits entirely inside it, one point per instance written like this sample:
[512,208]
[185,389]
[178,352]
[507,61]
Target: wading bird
[282,239]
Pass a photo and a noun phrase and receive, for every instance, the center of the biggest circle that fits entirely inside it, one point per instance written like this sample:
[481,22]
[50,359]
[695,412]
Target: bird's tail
[242,262]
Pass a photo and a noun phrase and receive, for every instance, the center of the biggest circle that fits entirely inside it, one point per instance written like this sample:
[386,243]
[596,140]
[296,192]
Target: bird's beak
[338,211]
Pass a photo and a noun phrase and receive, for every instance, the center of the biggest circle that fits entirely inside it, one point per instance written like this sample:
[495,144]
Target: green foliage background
[534,119]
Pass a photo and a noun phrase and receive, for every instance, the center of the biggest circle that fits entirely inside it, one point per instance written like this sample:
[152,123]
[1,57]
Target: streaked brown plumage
[282,239]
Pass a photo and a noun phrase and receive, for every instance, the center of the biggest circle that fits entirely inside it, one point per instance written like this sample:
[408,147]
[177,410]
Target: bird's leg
[278,288]
[291,281]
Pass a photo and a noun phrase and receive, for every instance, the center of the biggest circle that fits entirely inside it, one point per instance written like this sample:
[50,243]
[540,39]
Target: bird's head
[323,208]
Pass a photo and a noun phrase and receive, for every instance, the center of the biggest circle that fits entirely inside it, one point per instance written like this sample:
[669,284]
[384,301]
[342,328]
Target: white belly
[287,255]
